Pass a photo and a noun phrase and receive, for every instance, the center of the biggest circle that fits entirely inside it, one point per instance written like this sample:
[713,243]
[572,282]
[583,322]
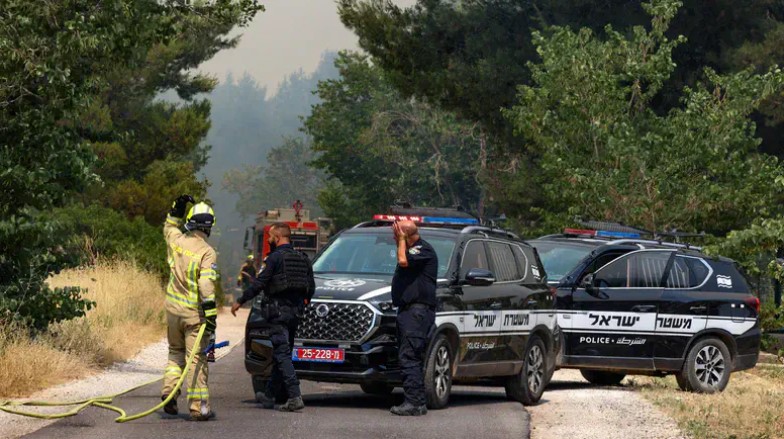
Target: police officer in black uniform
[288,284]
[414,294]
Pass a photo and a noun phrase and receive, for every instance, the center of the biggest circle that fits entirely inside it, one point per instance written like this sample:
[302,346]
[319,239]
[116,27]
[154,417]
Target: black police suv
[633,306]
[495,319]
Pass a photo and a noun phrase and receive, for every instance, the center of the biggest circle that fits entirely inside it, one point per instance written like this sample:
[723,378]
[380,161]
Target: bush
[92,233]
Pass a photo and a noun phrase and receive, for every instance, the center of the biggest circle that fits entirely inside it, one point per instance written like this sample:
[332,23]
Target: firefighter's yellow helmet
[200,217]
[250,258]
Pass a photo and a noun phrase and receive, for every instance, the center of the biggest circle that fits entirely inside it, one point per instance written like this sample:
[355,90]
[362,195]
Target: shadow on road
[361,400]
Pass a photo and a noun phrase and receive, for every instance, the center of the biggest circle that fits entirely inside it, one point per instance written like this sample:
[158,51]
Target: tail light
[753,302]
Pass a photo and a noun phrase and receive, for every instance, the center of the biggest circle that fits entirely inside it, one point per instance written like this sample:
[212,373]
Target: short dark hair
[284,231]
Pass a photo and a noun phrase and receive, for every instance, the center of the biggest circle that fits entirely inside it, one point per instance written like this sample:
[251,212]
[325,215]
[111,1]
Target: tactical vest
[293,280]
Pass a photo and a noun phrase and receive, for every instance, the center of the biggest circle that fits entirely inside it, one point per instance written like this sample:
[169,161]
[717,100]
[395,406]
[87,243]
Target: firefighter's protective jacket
[194,269]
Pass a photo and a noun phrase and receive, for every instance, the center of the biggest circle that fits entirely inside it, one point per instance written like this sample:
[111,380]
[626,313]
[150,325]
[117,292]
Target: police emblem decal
[414,250]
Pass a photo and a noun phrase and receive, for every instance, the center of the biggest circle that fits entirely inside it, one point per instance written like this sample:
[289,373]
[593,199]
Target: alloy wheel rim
[710,366]
[443,370]
[535,369]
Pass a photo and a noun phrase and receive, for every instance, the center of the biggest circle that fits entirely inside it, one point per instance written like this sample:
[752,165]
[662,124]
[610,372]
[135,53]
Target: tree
[284,178]
[382,148]
[469,56]
[54,59]
[604,152]
[142,135]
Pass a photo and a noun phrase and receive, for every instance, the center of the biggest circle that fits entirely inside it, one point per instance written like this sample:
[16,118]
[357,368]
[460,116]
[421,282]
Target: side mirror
[588,283]
[480,277]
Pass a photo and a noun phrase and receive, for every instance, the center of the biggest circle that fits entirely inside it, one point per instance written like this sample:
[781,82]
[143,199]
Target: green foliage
[383,148]
[285,178]
[90,233]
[469,57]
[56,62]
[605,153]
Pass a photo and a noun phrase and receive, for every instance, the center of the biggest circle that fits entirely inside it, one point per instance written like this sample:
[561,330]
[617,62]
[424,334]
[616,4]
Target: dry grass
[749,408]
[128,315]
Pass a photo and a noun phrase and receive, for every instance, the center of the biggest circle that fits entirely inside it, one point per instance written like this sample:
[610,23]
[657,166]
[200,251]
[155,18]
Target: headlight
[385,306]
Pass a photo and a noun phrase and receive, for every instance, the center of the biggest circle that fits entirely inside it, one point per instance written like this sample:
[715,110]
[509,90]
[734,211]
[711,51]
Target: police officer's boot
[171,406]
[408,409]
[292,405]
[267,401]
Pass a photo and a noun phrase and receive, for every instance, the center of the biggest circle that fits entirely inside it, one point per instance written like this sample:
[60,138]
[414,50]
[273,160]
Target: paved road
[332,411]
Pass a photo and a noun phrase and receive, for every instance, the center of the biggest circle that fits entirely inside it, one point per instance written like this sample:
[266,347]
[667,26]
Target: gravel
[574,409]
[146,366]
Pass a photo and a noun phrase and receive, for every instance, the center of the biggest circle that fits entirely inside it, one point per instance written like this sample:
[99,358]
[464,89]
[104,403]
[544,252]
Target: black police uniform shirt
[274,265]
[417,282]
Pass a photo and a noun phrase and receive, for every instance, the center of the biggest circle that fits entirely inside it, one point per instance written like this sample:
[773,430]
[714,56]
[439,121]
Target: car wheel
[707,368]
[528,386]
[438,373]
[683,382]
[602,378]
[376,388]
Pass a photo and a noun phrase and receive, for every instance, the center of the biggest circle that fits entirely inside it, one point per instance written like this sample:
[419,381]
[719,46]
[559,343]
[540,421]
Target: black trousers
[414,325]
[283,382]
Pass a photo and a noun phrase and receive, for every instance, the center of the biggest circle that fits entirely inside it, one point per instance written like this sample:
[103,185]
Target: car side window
[474,257]
[504,262]
[526,260]
[687,273]
[638,270]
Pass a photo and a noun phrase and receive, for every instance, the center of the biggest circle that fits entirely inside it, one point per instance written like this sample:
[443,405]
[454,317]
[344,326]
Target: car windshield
[559,258]
[374,254]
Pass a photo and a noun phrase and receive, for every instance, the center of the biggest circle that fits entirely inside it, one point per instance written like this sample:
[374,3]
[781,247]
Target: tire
[602,378]
[528,386]
[438,373]
[707,368]
[376,388]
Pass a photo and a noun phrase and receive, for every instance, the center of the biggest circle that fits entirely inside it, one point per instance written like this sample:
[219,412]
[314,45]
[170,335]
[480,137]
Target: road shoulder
[572,408]
[145,366]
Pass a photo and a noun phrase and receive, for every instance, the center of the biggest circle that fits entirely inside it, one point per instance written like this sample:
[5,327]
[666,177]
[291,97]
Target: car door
[683,310]
[513,303]
[482,314]
[614,312]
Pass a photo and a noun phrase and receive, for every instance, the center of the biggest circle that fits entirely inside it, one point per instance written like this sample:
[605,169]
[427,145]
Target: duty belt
[418,305]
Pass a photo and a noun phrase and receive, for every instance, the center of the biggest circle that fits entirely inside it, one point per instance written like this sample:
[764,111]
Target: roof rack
[661,243]
[489,231]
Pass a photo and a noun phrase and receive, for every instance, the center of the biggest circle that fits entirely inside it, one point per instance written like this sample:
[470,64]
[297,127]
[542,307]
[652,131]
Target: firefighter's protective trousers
[194,273]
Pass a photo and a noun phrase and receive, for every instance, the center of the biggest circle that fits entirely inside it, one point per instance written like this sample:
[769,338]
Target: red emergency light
[579,232]
[416,219]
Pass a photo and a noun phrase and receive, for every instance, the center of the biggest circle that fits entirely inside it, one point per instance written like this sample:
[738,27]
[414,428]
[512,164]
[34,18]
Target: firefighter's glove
[179,206]
[209,316]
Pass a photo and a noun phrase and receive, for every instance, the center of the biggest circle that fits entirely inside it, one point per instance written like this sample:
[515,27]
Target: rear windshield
[559,258]
[374,253]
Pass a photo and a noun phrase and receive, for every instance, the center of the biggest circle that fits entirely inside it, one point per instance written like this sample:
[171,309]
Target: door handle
[699,308]
[644,308]
[496,305]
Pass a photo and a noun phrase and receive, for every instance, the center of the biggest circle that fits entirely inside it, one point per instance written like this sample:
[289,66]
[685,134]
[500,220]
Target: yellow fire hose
[102,401]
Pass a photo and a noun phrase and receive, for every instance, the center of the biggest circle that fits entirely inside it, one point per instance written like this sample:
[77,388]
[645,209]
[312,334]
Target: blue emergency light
[450,220]
[622,235]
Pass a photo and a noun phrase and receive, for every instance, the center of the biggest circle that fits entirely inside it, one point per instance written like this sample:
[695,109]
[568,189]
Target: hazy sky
[289,35]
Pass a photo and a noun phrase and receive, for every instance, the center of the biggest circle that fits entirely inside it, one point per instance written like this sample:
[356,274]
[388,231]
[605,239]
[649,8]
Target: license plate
[319,355]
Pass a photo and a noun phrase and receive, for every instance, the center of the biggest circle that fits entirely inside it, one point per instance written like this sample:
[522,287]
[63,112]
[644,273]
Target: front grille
[343,322]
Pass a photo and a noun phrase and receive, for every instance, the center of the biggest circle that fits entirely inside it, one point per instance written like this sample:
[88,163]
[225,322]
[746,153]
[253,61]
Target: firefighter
[190,302]
[414,294]
[288,284]
[247,273]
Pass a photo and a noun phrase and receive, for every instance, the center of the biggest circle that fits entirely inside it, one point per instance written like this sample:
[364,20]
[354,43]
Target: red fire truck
[307,235]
